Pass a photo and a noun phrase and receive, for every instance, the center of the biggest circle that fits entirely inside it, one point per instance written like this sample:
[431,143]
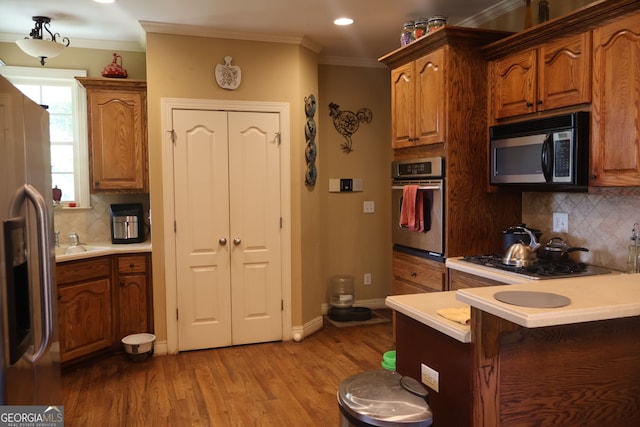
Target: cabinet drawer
[421,272]
[80,271]
[460,280]
[132,264]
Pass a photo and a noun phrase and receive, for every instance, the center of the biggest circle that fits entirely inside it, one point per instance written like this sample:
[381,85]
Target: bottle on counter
[632,253]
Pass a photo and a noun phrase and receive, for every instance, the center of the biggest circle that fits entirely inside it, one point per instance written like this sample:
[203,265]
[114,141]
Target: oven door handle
[422,187]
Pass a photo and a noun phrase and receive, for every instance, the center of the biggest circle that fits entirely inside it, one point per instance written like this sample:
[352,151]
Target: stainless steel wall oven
[428,175]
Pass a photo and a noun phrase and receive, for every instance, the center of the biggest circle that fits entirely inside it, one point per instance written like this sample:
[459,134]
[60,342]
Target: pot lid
[379,399]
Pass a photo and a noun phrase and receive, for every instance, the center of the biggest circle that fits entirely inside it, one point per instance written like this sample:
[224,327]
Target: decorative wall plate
[228,76]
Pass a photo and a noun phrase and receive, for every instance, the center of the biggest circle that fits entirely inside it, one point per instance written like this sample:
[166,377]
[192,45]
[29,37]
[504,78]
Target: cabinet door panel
[564,72]
[402,106]
[430,98]
[118,140]
[132,299]
[514,80]
[615,112]
[85,318]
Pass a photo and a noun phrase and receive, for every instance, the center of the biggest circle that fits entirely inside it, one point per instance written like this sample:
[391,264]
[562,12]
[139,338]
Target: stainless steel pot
[558,250]
[520,254]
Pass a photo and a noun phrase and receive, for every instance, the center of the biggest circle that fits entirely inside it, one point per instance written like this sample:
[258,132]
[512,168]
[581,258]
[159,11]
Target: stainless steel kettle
[520,254]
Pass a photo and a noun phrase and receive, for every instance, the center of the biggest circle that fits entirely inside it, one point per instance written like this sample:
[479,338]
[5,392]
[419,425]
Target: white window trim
[81,162]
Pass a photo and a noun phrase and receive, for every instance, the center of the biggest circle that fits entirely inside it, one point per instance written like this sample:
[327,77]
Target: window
[66,103]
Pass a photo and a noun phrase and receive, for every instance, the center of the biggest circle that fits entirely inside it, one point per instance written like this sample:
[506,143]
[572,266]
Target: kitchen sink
[78,249]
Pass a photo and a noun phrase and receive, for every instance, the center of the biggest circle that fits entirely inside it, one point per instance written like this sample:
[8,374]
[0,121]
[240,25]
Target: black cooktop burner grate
[542,269]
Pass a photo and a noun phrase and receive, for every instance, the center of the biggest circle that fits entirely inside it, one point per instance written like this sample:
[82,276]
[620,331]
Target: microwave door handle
[28,192]
[547,158]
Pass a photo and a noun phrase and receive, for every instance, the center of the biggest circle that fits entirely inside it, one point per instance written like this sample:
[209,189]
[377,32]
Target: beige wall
[353,242]
[182,67]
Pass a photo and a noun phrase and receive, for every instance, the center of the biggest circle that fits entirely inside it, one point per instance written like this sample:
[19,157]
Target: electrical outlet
[429,377]
[369,206]
[560,222]
[367,278]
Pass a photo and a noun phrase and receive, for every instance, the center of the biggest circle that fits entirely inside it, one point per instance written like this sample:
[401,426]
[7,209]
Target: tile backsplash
[93,225]
[601,223]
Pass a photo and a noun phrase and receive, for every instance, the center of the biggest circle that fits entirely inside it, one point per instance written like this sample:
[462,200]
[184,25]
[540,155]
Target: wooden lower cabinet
[134,295]
[84,307]
[413,274]
[100,301]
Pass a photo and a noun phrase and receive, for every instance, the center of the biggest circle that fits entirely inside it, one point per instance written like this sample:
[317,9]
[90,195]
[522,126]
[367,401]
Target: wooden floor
[272,384]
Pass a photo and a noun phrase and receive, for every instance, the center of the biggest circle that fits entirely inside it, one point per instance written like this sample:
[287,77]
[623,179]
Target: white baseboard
[312,326]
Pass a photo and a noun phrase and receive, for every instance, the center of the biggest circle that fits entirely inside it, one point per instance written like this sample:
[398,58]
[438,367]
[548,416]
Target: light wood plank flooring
[271,384]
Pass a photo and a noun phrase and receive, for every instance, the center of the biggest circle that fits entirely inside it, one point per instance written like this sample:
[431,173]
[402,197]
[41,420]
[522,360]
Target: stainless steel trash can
[383,398]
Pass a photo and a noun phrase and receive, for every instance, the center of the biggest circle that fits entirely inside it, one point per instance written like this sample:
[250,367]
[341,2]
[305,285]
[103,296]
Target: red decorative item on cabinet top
[115,70]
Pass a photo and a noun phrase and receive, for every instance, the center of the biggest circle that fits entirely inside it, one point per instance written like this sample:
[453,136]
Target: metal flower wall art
[228,76]
[348,122]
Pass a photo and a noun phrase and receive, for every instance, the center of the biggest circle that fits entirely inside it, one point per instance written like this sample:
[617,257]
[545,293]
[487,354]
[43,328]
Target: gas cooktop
[542,269]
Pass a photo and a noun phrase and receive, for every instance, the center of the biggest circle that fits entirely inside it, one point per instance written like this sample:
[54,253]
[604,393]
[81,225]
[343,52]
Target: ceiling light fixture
[39,47]
[343,21]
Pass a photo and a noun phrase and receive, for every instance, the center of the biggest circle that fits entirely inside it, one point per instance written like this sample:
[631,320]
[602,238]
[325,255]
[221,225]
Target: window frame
[42,76]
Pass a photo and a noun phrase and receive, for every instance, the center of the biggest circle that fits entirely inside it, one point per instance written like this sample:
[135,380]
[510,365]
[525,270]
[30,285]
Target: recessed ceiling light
[343,21]
[104,1]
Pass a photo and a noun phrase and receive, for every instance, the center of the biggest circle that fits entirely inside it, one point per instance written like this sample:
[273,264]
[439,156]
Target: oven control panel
[429,167]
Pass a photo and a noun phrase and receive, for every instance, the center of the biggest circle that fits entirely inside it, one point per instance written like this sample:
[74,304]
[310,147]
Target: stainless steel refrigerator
[29,347]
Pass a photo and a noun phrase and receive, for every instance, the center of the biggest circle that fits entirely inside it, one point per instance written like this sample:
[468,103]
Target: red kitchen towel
[408,208]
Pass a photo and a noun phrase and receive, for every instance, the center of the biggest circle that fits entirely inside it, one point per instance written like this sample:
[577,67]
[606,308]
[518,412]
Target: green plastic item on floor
[389,360]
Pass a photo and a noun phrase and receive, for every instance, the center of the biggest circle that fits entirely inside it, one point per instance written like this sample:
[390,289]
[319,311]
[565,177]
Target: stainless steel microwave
[548,154]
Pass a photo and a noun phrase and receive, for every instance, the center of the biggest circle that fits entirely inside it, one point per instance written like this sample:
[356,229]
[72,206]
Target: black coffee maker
[127,223]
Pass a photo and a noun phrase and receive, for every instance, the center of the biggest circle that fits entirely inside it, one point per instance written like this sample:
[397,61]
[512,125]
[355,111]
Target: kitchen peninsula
[573,365]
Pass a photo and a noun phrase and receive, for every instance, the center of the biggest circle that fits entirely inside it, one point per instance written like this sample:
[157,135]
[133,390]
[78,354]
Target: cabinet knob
[222,241]
[539,102]
[413,274]
[132,265]
[237,241]
[529,104]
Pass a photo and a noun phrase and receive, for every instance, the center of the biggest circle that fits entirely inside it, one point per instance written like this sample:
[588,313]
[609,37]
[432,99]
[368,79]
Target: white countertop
[103,248]
[422,307]
[593,298]
[487,272]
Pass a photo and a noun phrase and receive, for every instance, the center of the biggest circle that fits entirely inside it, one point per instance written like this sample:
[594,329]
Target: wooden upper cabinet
[417,100]
[615,111]
[117,116]
[554,75]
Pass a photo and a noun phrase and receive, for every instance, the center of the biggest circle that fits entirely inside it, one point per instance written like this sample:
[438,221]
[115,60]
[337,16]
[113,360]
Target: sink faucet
[74,240]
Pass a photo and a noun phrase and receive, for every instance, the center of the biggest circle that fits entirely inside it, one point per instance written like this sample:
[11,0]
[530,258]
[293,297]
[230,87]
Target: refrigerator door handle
[28,192]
